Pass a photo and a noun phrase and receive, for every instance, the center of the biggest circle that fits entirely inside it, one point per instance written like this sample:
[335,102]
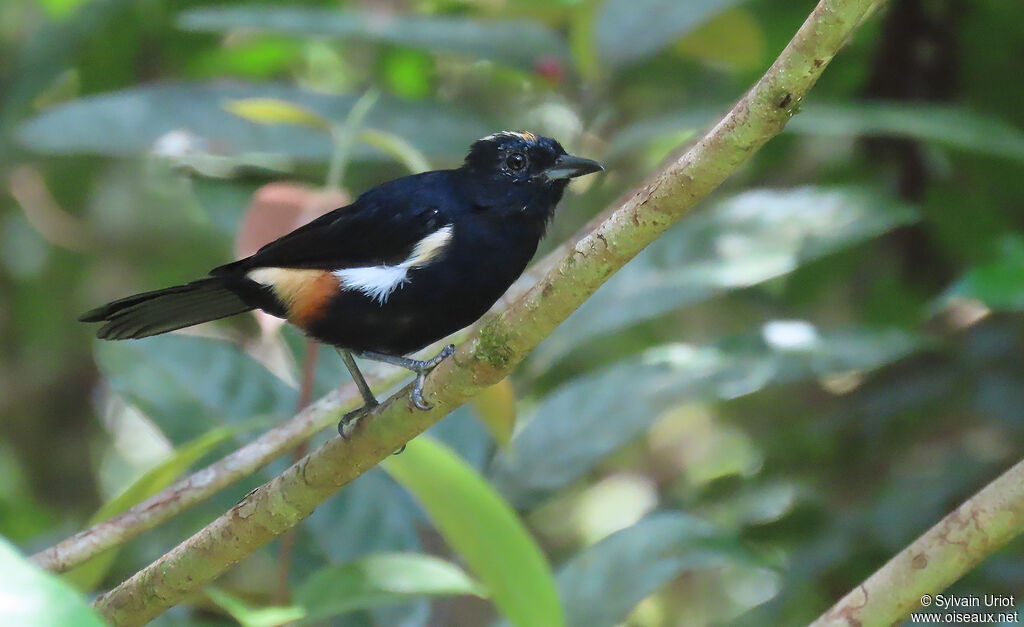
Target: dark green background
[818,364]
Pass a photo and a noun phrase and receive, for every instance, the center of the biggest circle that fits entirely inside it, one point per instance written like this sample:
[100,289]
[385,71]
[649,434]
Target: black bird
[409,262]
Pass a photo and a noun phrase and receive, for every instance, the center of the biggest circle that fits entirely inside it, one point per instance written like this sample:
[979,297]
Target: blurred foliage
[746,421]
[32,597]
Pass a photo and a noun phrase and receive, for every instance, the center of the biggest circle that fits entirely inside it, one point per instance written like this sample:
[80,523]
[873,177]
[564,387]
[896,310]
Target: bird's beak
[568,166]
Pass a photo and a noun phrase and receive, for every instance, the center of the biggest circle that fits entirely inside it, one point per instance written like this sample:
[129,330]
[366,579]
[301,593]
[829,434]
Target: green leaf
[600,585]
[630,30]
[132,121]
[90,574]
[188,384]
[517,42]
[373,514]
[274,111]
[733,38]
[582,422]
[33,597]
[496,408]
[1000,283]
[381,579]
[248,616]
[958,127]
[740,242]
[482,529]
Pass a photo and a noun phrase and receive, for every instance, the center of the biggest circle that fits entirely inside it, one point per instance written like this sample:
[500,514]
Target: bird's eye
[515,161]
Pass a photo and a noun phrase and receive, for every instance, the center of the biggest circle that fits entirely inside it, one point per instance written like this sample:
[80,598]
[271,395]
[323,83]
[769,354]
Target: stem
[500,341]
[946,552]
[344,138]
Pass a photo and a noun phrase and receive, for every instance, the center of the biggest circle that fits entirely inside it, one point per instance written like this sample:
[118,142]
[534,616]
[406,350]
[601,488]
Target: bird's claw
[417,393]
[421,376]
[348,422]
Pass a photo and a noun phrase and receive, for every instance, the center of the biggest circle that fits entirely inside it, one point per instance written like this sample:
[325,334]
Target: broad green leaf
[273,111]
[600,585]
[741,241]
[482,529]
[88,575]
[733,38]
[381,579]
[187,385]
[29,596]
[958,127]
[630,30]
[496,408]
[133,121]
[755,504]
[582,422]
[466,435]
[998,284]
[517,42]
[373,514]
[248,616]
[376,515]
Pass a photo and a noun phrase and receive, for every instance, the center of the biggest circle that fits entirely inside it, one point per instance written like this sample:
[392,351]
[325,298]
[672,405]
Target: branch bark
[503,340]
[946,552]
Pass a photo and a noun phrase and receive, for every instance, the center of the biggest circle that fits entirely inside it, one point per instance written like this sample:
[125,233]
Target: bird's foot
[348,422]
[422,369]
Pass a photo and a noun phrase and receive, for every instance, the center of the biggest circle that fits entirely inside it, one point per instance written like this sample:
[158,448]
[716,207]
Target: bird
[406,264]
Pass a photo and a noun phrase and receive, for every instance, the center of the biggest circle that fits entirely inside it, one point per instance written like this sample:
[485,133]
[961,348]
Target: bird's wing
[381,228]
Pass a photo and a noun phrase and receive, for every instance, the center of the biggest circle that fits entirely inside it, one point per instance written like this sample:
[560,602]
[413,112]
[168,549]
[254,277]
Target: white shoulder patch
[430,246]
[379,282]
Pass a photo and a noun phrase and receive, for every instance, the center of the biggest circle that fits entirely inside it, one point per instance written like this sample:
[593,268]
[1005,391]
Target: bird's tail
[153,313]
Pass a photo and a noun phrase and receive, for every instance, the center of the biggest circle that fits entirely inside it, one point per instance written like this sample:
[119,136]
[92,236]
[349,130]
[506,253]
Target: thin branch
[503,340]
[199,486]
[946,552]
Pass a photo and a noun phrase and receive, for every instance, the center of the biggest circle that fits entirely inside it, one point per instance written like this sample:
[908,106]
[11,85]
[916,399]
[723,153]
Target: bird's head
[520,172]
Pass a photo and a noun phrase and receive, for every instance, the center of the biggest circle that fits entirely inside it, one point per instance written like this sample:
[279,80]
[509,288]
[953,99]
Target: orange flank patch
[305,293]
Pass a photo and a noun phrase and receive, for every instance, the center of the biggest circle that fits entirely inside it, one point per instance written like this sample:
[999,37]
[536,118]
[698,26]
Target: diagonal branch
[200,485]
[502,340]
[946,552]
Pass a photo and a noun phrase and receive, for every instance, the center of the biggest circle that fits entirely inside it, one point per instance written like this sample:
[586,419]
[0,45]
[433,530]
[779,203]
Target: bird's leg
[420,366]
[369,400]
